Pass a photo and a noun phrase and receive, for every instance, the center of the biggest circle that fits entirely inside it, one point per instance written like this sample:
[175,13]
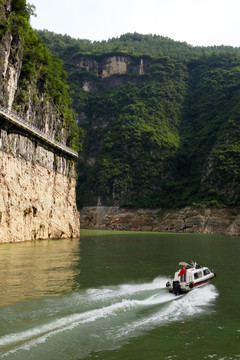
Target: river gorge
[104,296]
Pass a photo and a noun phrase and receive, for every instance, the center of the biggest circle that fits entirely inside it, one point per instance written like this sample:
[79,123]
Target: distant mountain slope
[161,120]
[131,44]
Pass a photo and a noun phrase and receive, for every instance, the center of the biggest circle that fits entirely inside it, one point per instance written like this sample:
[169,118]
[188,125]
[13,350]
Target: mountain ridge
[165,136]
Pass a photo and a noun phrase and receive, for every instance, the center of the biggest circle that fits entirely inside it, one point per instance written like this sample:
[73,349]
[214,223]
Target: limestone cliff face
[37,181]
[10,60]
[37,189]
[200,220]
[112,71]
[110,65]
[35,106]
[35,203]
[9,70]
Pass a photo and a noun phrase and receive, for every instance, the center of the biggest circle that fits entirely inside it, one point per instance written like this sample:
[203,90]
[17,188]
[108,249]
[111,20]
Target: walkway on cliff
[17,120]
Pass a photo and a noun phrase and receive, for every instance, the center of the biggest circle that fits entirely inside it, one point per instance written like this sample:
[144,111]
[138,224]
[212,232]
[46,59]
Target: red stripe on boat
[202,282]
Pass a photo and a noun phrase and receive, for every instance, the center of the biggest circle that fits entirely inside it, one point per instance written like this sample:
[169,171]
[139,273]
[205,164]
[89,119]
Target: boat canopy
[183,263]
[188,266]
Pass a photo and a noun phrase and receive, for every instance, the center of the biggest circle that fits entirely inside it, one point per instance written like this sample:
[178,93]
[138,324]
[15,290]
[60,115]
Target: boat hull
[178,287]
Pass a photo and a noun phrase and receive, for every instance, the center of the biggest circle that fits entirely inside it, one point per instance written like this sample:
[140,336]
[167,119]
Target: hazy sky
[198,22]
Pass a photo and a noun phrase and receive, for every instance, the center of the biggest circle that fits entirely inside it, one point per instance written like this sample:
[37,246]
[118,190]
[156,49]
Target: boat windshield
[206,272]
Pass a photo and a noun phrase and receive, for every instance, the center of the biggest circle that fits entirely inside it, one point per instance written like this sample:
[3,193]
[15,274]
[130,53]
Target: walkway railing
[17,120]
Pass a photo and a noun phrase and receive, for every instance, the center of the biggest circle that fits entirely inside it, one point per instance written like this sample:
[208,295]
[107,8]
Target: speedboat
[189,277]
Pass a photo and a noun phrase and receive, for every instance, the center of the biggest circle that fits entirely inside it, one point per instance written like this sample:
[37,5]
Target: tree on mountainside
[41,70]
[165,138]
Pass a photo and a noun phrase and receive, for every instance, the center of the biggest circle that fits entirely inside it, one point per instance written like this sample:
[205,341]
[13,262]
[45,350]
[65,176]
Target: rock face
[108,71]
[37,189]
[110,65]
[10,60]
[36,107]
[37,181]
[187,220]
[35,203]
[234,227]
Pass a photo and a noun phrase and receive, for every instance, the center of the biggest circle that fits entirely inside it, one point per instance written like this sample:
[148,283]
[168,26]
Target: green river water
[103,296]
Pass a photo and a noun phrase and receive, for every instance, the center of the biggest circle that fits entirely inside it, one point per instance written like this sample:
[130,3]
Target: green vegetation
[153,46]
[141,136]
[168,138]
[41,70]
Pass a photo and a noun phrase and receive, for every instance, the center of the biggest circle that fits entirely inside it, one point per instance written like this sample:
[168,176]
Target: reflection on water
[105,297]
[34,269]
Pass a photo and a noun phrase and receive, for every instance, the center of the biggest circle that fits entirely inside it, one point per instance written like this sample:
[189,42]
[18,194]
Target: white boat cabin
[189,277]
[192,274]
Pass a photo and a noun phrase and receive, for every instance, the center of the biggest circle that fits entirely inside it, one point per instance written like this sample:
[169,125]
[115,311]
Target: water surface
[104,297]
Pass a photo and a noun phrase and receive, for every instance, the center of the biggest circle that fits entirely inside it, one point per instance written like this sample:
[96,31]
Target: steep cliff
[132,118]
[162,130]
[200,220]
[37,192]
[35,203]
[161,121]
[33,80]
[10,56]
[106,66]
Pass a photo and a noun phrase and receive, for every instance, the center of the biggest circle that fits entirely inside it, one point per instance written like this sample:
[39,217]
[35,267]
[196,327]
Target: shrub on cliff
[41,70]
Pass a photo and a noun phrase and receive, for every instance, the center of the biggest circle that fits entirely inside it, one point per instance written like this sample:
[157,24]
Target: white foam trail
[174,309]
[60,306]
[181,308]
[128,289]
[74,320]
[156,299]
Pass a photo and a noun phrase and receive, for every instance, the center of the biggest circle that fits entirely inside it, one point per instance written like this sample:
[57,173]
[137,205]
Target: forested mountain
[41,78]
[131,44]
[161,120]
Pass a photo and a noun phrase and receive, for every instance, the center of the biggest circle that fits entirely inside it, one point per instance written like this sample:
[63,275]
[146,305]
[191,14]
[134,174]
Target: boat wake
[96,319]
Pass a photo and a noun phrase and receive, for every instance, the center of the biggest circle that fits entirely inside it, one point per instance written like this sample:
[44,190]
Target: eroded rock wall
[35,202]
[110,65]
[22,145]
[187,220]
[37,189]
[35,106]
[37,181]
